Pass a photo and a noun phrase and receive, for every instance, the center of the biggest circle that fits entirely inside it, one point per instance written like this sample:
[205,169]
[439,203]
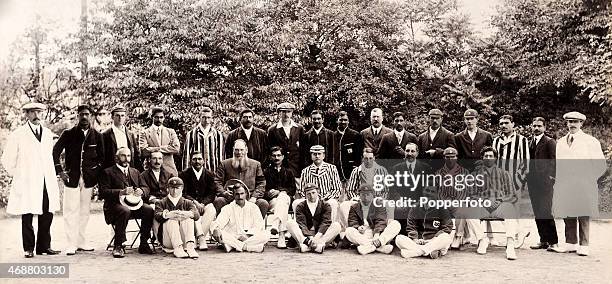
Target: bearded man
[243,168]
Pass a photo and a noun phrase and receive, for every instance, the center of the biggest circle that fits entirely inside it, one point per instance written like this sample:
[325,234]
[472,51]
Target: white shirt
[120,137]
[432,133]
[375,130]
[123,169]
[537,138]
[287,129]
[85,131]
[317,130]
[236,220]
[365,214]
[410,165]
[399,135]
[174,200]
[198,174]
[472,134]
[248,132]
[156,174]
[312,206]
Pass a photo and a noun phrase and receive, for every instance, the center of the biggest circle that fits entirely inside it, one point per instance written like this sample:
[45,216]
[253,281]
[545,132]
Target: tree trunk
[83,38]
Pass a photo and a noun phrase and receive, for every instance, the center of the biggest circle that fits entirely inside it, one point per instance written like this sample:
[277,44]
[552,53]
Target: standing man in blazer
[373,134]
[540,182]
[117,182]
[318,135]
[255,137]
[346,148]
[28,158]
[289,136]
[160,138]
[84,157]
[313,227]
[471,140]
[118,136]
[392,144]
[433,141]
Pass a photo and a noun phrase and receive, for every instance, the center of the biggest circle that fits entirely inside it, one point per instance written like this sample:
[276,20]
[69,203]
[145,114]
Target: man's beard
[239,163]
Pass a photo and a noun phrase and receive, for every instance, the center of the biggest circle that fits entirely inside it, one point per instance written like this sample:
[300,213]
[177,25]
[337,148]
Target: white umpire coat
[30,162]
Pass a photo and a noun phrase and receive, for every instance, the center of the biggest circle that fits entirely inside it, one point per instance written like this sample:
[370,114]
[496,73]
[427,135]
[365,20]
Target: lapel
[318,210]
[292,133]
[112,135]
[360,211]
[437,137]
[119,173]
[152,175]
[152,136]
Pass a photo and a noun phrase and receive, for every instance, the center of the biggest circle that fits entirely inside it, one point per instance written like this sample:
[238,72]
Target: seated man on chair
[240,225]
[367,224]
[280,188]
[313,227]
[499,189]
[177,216]
[117,182]
[428,230]
[201,190]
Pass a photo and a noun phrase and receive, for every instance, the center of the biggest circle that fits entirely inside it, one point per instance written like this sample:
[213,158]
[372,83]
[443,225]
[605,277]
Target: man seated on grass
[240,225]
[313,227]
[177,216]
[367,224]
[428,231]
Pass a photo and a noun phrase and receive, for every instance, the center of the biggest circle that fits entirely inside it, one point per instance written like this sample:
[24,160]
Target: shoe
[180,252]
[541,245]
[71,251]
[409,253]
[552,247]
[118,252]
[365,249]
[566,248]
[144,249]
[292,243]
[521,240]
[167,250]
[510,252]
[202,245]
[85,248]
[48,252]
[457,242]
[227,248]
[281,244]
[345,244]
[320,248]
[28,254]
[386,249]
[304,248]
[190,249]
[274,231]
[483,244]
[583,250]
[434,254]
[256,248]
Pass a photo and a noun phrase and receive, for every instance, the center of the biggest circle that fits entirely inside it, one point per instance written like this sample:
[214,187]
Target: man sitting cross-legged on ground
[240,225]
[367,224]
[313,227]
[177,216]
[280,187]
[428,232]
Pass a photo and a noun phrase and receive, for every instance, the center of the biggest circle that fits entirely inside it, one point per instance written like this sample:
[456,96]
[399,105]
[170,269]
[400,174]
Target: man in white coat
[34,190]
[576,199]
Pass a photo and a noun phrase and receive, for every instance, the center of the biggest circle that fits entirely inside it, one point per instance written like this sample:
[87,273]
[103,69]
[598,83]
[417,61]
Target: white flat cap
[33,106]
[574,115]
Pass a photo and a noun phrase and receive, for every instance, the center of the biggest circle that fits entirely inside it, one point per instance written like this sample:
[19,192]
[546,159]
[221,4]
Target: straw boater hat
[131,201]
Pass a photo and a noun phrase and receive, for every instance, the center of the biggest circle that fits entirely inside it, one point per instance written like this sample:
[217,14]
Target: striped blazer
[325,177]
[513,157]
[212,147]
[359,177]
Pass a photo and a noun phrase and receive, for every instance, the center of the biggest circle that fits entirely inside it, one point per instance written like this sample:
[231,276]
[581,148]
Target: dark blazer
[291,145]
[83,153]
[320,221]
[202,190]
[372,141]
[377,217]
[420,168]
[468,150]
[257,146]
[428,223]
[283,180]
[252,175]
[325,138]
[113,181]
[165,204]
[441,141]
[542,164]
[110,148]
[347,150]
[390,148]
[157,189]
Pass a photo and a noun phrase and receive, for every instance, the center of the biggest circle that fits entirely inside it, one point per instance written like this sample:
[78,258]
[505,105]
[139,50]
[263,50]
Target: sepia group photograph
[301,141]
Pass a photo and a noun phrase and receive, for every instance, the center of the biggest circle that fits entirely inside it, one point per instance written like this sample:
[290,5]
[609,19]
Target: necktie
[570,140]
[410,168]
[159,135]
[533,143]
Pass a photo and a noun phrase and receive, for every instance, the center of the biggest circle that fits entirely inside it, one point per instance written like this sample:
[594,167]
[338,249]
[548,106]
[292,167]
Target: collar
[474,131]
[317,131]
[312,203]
[538,137]
[434,131]
[155,127]
[280,124]
[363,168]
[246,130]
[174,200]
[123,169]
[34,126]
[115,128]
[201,127]
[343,130]
[510,137]
[401,133]
[197,172]
[374,129]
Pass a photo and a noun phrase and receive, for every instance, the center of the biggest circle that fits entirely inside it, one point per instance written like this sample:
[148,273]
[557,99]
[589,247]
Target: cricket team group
[310,190]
